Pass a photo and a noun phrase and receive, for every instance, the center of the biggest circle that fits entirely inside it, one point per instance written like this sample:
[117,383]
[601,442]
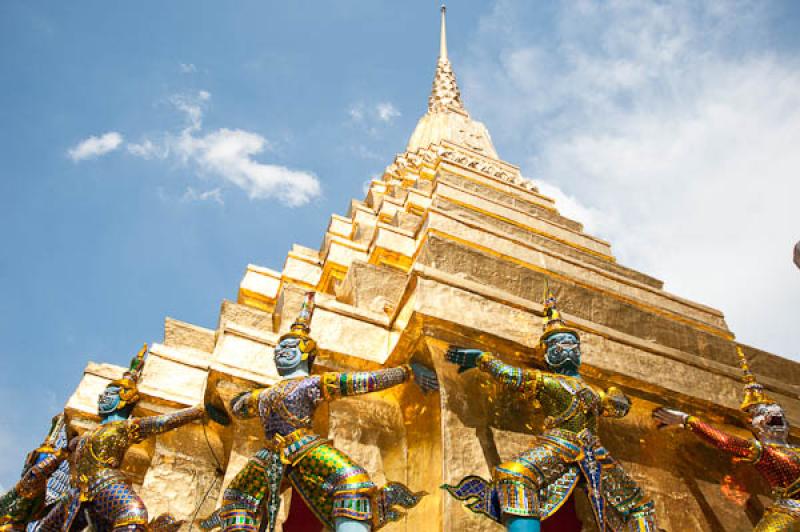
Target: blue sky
[219,136]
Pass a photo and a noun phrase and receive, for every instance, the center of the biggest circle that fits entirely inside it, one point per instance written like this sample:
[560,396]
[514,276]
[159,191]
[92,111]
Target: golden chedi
[451,245]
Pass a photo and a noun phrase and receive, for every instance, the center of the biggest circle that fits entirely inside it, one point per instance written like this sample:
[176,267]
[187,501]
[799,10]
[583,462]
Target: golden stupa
[452,245]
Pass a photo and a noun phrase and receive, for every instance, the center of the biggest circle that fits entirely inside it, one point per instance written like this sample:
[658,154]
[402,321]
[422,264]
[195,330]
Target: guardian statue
[97,484]
[769,451]
[25,502]
[530,487]
[338,491]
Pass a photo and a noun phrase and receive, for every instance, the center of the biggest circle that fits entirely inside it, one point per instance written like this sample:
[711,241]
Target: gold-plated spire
[447,118]
[443,35]
[445,95]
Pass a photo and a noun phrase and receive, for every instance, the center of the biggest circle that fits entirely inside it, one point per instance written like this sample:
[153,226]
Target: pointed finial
[748,377]
[443,35]
[137,363]
[552,322]
[754,393]
[303,321]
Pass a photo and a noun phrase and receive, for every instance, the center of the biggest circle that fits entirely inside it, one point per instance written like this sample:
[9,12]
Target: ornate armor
[330,483]
[769,452]
[538,481]
[97,481]
[779,464]
[25,502]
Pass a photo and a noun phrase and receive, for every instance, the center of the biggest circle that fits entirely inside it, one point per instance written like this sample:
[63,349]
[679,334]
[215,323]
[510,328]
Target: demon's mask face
[288,355]
[769,423]
[109,401]
[563,353]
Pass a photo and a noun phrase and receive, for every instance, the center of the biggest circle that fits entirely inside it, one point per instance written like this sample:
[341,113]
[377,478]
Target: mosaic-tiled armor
[537,482]
[96,482]
[778,463]
[25,502]
[331,484]
[769,452]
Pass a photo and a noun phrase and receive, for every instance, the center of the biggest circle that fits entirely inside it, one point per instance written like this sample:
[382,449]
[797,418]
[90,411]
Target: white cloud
[666,138]
[571,207]
[228,154]
[188,68]
[191,195]
[147,149]
[94,147]
[356,112]
[193,105]
[373,115]
[374,120]
[386,111]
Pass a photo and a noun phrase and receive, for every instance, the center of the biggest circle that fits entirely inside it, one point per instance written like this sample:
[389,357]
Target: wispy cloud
[386,111]
[192,195]
[94,147]
[661,134]
[147,149]
[373,117]
[192,105]
[188,68]
[356,112]
[227,154]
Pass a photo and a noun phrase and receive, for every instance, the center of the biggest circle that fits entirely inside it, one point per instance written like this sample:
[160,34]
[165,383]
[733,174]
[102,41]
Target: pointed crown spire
[445,95]
[552,322]
[303,321]
[754,393]
[128,383]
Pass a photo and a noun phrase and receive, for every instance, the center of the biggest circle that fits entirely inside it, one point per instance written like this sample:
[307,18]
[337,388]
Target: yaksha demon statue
[25,502]
[770,453]
[530,488]
[336,490]
[97,483]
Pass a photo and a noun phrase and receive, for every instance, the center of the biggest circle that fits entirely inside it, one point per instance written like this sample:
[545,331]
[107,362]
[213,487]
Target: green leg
[351,525]
[523,524]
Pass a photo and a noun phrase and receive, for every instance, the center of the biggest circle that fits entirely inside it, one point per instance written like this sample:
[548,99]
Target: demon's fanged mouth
[775,421]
